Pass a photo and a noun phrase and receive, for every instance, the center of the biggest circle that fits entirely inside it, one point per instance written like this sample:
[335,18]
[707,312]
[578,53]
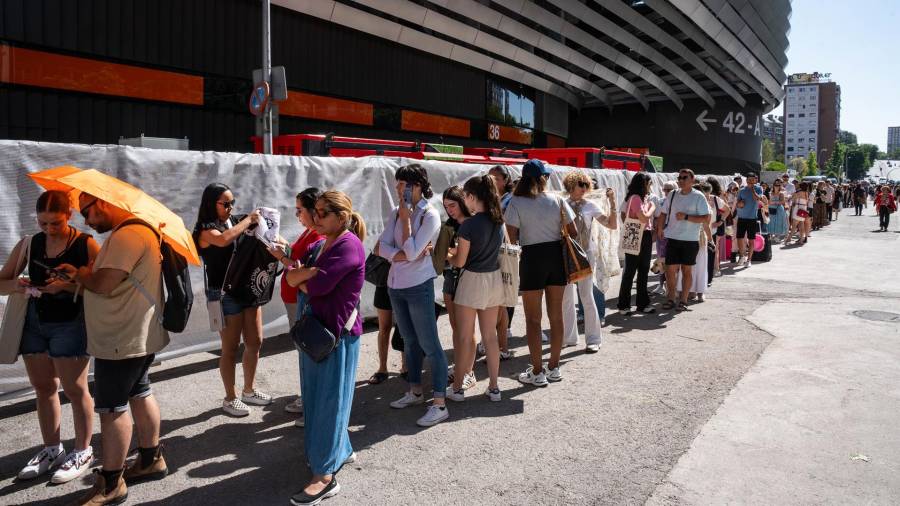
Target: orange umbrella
[124,196]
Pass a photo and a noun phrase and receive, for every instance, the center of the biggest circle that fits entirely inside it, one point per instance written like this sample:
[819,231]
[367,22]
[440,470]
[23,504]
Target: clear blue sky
[857,42]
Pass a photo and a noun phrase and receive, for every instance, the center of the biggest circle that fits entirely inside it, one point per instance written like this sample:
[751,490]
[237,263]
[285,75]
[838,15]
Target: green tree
[871,151]
[776,166]
[812,166]
[857,163]
[846,137]
[768,151]
[836,162]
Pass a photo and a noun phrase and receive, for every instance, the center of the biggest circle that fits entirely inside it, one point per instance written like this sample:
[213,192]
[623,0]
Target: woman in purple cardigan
[332,276]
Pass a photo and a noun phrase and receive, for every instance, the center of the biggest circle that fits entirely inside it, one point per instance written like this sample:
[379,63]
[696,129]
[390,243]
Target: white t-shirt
[538,219]
[692,204]
[588,212]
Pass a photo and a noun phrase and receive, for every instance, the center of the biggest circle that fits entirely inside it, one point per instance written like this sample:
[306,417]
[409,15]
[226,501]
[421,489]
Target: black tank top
[63,306]
[216,258]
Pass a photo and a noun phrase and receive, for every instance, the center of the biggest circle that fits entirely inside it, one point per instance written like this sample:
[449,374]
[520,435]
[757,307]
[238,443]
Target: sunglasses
[683,177]
[323,213]
[228,204]
[84,210]
[584,185]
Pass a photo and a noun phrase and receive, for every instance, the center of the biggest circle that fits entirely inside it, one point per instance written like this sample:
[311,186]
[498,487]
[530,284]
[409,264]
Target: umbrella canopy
[124,196]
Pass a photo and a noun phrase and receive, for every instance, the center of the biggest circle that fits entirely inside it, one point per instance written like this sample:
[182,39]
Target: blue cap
[534,168]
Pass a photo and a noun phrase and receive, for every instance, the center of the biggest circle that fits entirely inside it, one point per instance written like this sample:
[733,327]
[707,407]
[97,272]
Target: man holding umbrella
[124,332]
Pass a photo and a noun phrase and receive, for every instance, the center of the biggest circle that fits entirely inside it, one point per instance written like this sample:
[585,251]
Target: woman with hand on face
[639,207]
[331,275]
[54,340]
[215,234]
[407,242]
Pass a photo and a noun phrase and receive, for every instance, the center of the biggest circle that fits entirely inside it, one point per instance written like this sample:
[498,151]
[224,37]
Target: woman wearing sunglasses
[215,235]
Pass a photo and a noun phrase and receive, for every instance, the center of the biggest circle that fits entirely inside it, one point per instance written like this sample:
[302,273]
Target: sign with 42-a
[735,122]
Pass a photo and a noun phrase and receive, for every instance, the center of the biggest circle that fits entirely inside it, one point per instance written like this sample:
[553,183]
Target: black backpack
[179,296]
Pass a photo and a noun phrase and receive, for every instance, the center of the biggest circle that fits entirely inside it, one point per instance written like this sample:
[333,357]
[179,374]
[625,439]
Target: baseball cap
[534,168]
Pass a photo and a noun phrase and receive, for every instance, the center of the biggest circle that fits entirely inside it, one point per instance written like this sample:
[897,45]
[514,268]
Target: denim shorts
[57,339]
[229,305]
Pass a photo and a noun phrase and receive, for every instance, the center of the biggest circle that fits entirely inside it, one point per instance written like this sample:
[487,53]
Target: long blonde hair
[341,204]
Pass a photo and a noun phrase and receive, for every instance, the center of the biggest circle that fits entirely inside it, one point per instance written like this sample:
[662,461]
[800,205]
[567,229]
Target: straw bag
[575,260]
[13,323]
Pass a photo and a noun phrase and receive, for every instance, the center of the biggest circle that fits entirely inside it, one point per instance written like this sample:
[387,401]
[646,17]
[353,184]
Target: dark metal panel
[68,30]
[13,21]
[101,27]
[126,29]
[114,29]
[51,20]
[84,26]
[34,32]
[68,122]
[138,33]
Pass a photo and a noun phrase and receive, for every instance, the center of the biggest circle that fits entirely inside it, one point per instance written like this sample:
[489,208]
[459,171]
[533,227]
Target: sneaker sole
[533,384]
[292,410]
[407,405]
[556,380]
[117,501]
[432,423]
[59,481]
[332,493]
[238,414]
[255,403]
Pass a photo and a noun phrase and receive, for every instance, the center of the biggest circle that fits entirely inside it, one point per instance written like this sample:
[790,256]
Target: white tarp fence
[177,179]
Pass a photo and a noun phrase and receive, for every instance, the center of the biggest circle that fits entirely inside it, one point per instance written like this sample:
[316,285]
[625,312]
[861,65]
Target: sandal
[682,307]
[668,305]
[378,378]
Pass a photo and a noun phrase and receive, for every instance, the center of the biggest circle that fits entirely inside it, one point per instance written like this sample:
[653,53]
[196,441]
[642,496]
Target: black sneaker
[303,499]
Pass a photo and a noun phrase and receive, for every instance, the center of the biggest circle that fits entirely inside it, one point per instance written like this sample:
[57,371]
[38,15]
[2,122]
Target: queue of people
[74,281]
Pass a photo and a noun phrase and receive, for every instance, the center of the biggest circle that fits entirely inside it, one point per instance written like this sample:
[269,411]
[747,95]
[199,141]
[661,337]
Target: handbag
[575,260]
[251,273]
[451,280]
[509,269]
[314,338]
[213,307]
[13,324]
[377,269]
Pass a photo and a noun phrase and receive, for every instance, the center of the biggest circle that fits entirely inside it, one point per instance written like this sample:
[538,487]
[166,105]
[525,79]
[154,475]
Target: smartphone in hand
[56,272]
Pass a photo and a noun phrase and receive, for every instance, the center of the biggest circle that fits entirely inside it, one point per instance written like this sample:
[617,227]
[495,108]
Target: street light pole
[267,74]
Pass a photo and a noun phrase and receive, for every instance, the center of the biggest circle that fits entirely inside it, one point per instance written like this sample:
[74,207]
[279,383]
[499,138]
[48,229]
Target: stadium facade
[688,80]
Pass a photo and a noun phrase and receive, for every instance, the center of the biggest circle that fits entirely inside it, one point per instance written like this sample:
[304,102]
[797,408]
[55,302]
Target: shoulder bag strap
[562,218]
[671,200]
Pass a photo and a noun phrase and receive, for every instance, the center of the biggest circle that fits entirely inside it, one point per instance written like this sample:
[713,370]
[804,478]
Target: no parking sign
[259,98]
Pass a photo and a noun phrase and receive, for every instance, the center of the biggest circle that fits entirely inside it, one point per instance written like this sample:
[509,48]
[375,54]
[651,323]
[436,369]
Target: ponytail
[357,225]
[484,190]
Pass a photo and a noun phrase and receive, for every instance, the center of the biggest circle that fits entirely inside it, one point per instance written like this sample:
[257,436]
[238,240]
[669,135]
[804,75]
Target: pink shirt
[637,206]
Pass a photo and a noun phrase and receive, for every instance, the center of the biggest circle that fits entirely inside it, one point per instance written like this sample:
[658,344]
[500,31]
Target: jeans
[640,265]
[884,216]
[414,314]
[858,207]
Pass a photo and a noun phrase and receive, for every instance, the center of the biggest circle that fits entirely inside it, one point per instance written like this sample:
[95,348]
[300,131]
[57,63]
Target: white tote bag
[509,270]
[632,233]
[14,314]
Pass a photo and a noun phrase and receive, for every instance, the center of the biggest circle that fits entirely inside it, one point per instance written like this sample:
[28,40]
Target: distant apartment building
[893,142]
[773,129]
[812,116]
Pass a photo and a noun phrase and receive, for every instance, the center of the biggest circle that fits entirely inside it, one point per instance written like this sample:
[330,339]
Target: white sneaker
[747,263]
[544,337]
[45,460]
[479,351]
[469,380]
[408,399]
[352,458]
[592,348]
[538,380]
[456,395]
[300,422]
[75,465]
[506,355]
[235,407]
[294,407]
[493,394]
[554,375]
[256,398]
[433,416]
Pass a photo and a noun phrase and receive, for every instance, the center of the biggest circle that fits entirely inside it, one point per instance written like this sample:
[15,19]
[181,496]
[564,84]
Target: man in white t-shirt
[685,211]
[788,186]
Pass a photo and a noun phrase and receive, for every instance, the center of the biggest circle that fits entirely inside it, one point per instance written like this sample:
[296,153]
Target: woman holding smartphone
[54,340]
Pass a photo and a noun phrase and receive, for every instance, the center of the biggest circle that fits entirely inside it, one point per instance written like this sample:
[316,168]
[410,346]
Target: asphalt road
[656,415]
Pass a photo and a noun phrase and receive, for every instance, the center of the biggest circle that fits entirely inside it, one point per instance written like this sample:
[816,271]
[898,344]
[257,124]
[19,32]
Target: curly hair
[573,178]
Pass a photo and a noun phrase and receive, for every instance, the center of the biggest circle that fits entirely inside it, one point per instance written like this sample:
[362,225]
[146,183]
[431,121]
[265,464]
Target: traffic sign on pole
[259,98]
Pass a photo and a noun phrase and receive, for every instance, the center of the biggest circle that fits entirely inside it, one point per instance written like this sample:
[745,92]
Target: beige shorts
[479,290]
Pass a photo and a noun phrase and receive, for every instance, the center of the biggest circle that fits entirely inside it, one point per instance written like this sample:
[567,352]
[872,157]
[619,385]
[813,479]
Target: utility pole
[267,74]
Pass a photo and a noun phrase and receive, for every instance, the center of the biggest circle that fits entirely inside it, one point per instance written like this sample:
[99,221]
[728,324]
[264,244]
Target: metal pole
[267,75]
